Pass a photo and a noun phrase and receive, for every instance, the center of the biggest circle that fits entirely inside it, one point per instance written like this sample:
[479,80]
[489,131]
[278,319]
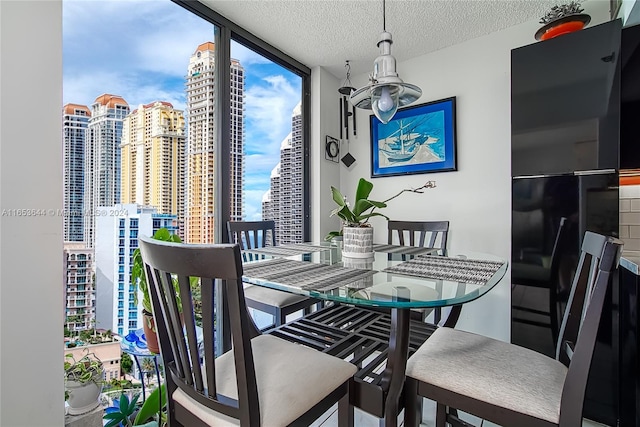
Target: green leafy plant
[363,208]
[138,278]
[83,370]
[150,413]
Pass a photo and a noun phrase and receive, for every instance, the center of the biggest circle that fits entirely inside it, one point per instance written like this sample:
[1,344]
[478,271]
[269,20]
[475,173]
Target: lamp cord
[384,24]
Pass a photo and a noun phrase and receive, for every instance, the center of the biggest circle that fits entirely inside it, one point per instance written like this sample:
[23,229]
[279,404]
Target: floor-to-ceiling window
[264,102]
[263,113]
[138,76]
[266,137]
[179,113]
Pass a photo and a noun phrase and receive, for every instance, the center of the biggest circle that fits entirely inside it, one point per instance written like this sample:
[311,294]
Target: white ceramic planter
[361,264]
[83,397]
[357,242]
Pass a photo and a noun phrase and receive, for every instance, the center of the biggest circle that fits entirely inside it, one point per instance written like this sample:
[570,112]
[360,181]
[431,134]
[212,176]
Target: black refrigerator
[565,115]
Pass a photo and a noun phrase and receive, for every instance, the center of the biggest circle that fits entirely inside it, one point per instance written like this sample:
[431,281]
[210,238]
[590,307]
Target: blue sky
[140,50]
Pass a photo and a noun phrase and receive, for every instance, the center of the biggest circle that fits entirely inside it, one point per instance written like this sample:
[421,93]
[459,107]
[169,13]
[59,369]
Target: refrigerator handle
[595,172]
[575,173]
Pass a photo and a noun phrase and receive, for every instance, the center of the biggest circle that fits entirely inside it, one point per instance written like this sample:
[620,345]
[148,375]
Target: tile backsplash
[630,217]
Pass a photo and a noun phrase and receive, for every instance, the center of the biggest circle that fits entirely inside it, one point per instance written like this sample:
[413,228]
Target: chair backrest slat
[207,290]
[422,229]
[170,268]
[599,258]
[252,234]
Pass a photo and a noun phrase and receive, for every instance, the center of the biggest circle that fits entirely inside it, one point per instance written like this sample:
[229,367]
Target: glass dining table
[373,308]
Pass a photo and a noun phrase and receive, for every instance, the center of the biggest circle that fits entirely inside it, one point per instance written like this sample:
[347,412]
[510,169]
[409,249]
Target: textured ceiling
[327,32]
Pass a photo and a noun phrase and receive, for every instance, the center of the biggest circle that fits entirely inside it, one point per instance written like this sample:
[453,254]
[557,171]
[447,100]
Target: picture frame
[419,139]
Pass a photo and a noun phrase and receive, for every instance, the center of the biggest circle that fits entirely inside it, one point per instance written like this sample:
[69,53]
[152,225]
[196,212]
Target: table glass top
[396,276]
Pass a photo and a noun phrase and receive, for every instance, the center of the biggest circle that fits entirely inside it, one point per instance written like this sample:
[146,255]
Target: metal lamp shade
[387,91]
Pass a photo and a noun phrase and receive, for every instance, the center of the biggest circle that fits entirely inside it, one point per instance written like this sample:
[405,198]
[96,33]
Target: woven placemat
[288,250]
[404,250]
[472,271]
[303,275]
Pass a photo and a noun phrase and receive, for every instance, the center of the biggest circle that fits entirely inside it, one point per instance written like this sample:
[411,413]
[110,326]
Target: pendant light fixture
[385,91]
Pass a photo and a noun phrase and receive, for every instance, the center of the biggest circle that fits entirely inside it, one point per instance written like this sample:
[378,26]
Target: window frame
[227,31]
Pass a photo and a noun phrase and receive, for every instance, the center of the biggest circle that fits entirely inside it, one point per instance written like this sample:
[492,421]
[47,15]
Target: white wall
[625,10]
[31,273]
[324,173]
[476,198]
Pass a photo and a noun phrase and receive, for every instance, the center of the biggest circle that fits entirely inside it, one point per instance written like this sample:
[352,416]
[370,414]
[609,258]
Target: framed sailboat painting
[419,139]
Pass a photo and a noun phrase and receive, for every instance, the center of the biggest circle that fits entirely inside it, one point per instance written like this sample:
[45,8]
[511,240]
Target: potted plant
[356,230]
[150,414]
[562,19]
[83,382]
[139,279]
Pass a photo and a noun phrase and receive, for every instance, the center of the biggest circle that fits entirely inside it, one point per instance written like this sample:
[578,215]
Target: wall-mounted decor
[562,19]
[345,90]
[419,139]
[332,149]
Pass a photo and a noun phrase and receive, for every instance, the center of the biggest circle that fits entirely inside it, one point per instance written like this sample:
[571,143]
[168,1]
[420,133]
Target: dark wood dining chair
[263,380]
[279,304]
[529,270]
[428,234]
[511,385]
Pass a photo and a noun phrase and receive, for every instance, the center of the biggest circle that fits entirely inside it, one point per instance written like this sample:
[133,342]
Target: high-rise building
[79,288]
[75,119]
[271,199]
[102,158]
[153,159]
[284,202]
[202,140]
[118,228]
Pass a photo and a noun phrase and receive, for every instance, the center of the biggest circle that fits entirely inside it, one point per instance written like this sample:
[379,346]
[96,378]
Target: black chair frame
[422,229]
[219,268]
[246,234]
[417,233]
[598,260]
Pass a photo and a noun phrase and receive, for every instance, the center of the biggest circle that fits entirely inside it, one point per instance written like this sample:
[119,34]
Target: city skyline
[143,57]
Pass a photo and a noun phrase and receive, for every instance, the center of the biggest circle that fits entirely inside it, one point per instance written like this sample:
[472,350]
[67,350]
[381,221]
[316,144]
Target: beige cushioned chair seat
[291,379]
[271,297]
[492,371]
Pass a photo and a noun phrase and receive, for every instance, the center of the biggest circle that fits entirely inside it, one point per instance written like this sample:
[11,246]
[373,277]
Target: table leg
[394,373]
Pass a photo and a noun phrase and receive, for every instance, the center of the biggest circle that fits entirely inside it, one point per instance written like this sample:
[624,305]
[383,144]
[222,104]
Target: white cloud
[253,205]
[140,50]
[134,89]
[268,112]
[246,56]
[262,163]
[145,36]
